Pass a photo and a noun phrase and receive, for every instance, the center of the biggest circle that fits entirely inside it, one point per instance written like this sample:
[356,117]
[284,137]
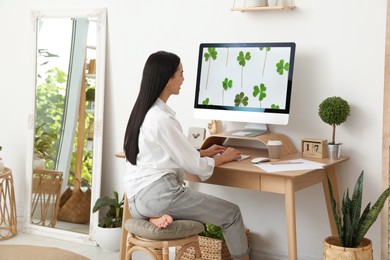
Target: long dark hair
[159,68]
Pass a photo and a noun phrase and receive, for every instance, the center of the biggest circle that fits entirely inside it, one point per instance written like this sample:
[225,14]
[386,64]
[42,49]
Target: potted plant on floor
[212,244]
[334,111]
[108,232]
[352,224]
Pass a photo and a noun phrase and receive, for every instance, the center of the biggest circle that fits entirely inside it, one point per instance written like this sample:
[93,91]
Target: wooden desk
[242,174]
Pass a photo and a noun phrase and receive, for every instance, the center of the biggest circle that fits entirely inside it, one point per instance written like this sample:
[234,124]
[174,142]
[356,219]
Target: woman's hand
[212,150]
[229,155]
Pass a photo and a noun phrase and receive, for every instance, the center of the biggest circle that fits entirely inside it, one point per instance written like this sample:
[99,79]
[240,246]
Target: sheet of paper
[290,165]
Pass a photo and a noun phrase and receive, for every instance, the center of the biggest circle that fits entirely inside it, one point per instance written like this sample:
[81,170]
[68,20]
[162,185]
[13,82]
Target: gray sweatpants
[168,196]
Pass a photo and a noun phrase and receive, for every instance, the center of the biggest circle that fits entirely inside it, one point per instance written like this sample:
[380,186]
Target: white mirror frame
[99,14]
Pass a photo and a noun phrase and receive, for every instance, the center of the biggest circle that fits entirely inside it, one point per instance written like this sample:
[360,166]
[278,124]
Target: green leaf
[242,58]
[260,91]
[241,99]
[212,231]
[227,83]
[356,203]
[206,101]
[335,210]
[372,215]
[281,67]
[102,202]
[267,49]
[212,53]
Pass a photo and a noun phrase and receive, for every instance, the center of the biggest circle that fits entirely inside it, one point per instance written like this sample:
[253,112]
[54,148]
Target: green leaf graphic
[227,83]
[241,99]
[281,67]
[242,58]
[211,53]
[260,91]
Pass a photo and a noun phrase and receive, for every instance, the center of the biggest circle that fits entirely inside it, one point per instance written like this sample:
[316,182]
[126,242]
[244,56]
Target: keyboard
[243,157]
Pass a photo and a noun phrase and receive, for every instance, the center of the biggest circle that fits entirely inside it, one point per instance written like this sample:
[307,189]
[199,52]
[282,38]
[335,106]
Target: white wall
[340,51]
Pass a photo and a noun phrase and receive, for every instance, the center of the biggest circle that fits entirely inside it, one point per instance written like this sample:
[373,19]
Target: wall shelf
[263,8]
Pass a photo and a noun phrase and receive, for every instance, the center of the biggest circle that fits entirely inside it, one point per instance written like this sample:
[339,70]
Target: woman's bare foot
[162,222]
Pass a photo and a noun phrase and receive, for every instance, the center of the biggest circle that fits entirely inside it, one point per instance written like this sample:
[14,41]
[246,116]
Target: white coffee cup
[274,149]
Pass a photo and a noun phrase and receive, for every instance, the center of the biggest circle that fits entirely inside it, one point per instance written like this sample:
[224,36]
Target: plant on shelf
[334,111]
[43,142]
[90,98]
[113,217]
[352,224]
[90,94]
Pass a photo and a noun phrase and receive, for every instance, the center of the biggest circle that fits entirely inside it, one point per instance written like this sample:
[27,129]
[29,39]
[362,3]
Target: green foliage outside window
[50,102]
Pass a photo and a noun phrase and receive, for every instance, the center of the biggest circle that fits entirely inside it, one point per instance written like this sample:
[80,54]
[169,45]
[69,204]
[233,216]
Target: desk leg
[290,220]
[331,173]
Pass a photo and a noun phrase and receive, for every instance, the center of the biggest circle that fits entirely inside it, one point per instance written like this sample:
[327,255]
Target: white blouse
[163,148]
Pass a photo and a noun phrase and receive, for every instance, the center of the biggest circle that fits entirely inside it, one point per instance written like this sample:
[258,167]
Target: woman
[158,154]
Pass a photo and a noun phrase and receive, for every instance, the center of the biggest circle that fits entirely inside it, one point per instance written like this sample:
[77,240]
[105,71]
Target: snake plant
[352,225]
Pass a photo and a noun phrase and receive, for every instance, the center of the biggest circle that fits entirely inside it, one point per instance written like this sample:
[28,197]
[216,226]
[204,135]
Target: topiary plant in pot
[108,232]
[334,111]
[352,224]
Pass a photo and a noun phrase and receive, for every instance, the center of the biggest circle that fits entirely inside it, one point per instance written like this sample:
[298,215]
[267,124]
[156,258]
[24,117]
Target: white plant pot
[109,239]
[255,3]
[39,163]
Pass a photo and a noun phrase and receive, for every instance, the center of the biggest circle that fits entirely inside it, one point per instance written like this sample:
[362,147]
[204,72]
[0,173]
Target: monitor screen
[245,82]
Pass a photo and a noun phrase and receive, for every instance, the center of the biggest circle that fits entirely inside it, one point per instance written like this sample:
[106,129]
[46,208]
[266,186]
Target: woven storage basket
[211,249]
[75,206]
[333,250]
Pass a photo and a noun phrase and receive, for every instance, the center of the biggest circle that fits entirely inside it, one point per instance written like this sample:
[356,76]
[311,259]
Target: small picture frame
[196,136]
[316,148]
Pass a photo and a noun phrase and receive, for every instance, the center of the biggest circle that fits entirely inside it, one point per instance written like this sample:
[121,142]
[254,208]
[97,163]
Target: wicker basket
[211,249]
[333,250]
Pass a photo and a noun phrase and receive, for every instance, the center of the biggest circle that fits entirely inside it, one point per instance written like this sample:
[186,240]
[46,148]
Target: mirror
[64,154]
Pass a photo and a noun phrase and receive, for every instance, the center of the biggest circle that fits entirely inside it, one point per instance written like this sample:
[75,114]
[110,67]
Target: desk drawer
[275,184]
[236,179]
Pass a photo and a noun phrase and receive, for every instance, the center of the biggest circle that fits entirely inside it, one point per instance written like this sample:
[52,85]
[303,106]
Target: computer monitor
[245,82]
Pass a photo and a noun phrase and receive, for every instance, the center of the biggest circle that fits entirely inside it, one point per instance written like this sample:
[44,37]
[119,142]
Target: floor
[92,252]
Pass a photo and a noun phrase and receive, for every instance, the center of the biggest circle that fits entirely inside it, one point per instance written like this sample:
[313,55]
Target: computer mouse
[259,160]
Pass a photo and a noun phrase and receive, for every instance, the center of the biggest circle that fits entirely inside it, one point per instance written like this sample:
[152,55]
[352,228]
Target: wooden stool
[46,196]
[154,241]
[142,235]
[8,219]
